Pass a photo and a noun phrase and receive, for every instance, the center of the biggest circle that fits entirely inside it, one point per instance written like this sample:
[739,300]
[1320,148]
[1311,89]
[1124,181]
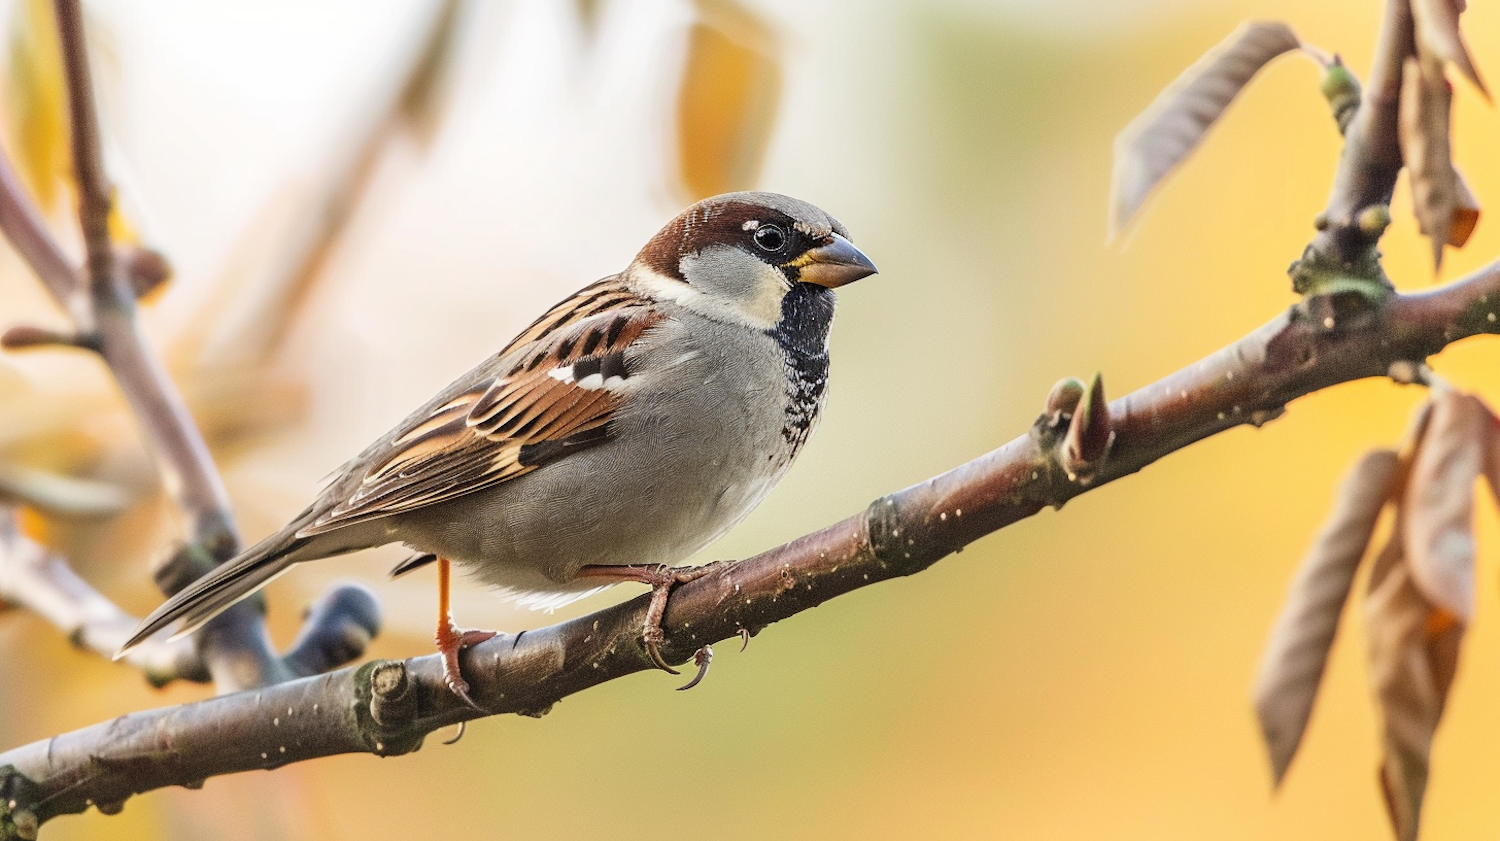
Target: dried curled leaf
[1174,124]
[1414,647]
[1439,501]
[1422,123]
[1439,40]
[1465,213]
[731,85]
[1492,456]
[1295,656]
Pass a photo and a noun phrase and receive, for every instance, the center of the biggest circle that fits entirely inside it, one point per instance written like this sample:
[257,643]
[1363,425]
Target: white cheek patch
[662,288]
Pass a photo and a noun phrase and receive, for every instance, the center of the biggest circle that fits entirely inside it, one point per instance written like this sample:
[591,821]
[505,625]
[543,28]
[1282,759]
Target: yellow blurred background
[1084,674]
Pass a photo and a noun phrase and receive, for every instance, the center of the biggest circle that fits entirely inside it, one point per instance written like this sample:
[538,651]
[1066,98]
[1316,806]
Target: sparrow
[627,428]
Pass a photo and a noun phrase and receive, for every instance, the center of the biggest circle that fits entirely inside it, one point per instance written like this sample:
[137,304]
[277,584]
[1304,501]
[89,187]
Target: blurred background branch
[39,580]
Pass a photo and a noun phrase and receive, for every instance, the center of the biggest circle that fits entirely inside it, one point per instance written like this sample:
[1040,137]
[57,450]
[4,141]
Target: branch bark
[387,707]
[1370,162]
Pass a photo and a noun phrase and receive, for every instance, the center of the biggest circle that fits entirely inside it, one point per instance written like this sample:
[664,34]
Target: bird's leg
[661,579]
[452,639]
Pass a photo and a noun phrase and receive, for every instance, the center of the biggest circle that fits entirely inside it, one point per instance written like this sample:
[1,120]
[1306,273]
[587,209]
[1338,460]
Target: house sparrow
[627,428]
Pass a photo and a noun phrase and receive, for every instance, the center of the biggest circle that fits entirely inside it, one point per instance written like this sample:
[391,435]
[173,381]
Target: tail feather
[226,584]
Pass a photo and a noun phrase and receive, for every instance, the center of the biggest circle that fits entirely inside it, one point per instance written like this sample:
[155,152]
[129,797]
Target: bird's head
[734,257]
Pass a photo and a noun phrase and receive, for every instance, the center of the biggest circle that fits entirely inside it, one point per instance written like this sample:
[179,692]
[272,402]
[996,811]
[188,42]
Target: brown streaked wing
[476,440]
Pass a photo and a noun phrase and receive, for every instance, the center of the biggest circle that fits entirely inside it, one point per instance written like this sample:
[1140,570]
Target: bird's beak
[834,263]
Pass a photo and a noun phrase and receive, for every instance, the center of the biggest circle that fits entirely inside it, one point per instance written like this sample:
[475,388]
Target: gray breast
[701,440]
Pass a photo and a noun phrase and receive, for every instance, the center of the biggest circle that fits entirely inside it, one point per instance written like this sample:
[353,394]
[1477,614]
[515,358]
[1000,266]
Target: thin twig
[95,195]
[187,468]
[1371,159]
[237,649]
[42,582]
[23,225]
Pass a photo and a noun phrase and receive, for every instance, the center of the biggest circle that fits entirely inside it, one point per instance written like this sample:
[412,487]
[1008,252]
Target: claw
[661,579]
[744,639]
[653,637]
[462,726]
[701,658]
[450,641]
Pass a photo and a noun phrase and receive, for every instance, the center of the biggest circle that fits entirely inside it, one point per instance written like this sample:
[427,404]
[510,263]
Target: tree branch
[387,707]
[236,647]
[41,581]
[1371,158]
[27,231]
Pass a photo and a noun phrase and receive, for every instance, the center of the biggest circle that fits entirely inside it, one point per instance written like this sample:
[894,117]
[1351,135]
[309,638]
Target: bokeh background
[1084,674]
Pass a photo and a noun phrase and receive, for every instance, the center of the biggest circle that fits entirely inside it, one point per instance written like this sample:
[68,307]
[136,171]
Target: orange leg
[452,639]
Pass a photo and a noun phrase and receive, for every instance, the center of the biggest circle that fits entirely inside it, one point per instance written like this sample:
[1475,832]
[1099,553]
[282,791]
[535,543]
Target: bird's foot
[701,658]
[662,580]
[450,641]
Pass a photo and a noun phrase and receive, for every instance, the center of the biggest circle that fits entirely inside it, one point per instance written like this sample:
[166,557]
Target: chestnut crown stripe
[726,223]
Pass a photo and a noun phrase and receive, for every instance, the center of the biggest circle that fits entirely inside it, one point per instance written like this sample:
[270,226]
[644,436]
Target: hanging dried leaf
[1297,652]
[1174,124]
[1423,133]
[1465,213]
[1492,454]
[1413,657]
[1439,39]
[35,101]
[1439,501]
[731,84]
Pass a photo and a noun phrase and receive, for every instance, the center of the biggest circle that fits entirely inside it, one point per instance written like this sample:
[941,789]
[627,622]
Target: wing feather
[523,412]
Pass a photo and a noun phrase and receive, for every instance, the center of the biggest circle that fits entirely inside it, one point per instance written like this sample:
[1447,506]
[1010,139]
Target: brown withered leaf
[1163,135]
[1492,454]
[1414,647]
[1422,123]
[726,107]
[1292,666]
[1438,501]
[1439,39]
[1465,213]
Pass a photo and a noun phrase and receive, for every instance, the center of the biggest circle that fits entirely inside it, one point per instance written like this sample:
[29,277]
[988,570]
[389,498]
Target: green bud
[1341,90]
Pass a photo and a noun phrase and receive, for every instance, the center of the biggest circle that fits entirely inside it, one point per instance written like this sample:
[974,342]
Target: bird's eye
[770,238]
